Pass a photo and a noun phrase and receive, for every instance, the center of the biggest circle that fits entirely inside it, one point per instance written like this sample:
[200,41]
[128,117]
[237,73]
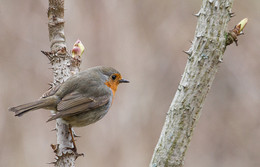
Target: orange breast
[113,87]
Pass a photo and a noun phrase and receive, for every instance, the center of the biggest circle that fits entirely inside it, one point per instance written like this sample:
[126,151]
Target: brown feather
[51,91]
[70,106]
[71,100]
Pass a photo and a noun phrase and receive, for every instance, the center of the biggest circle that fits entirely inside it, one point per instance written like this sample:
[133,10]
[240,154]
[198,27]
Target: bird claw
[76,135]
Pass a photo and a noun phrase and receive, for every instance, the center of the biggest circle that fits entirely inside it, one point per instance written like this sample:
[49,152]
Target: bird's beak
[123,81]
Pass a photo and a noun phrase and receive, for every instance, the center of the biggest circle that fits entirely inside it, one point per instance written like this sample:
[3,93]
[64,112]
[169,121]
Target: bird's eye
[113,77]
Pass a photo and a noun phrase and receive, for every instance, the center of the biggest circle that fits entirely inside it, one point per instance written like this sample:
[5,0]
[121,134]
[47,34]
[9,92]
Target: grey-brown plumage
[82,99]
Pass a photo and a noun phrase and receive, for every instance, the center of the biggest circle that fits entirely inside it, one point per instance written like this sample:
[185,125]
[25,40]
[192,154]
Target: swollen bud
[241,25]
[78,49]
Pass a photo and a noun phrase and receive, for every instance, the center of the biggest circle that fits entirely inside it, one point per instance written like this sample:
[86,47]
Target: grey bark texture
[63,68]
[204,58]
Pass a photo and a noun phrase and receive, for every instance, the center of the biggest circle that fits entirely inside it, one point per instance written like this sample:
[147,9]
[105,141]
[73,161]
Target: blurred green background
[144,40]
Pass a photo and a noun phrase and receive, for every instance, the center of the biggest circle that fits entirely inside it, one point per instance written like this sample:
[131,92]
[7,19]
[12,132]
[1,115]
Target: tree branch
[56,24]
[204,57]
[63,65]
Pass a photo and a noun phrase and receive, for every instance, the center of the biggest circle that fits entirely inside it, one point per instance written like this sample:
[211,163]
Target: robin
[82,99]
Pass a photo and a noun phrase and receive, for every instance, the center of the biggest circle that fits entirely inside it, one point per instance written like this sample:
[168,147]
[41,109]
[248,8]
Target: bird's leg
[72,138]
[74,144]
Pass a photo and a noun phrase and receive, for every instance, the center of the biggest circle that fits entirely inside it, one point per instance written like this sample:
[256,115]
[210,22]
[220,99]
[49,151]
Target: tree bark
[204,58]
[63,68]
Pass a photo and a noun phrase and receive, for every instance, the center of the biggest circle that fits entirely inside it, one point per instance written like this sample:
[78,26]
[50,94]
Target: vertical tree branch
[204,57]
[56,24]
[63,67]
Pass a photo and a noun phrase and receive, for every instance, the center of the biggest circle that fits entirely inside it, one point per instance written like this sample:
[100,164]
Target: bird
[82,99]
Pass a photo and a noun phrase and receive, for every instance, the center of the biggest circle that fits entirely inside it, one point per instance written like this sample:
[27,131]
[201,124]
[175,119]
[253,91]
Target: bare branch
[203,62]
[63,65]
[56,24]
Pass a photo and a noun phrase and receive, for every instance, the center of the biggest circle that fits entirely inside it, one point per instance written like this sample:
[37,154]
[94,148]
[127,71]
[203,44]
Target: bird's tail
[24,108]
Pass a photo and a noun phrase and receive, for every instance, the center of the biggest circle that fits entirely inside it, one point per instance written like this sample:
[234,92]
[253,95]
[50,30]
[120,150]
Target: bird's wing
[52,90]
[75,103]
